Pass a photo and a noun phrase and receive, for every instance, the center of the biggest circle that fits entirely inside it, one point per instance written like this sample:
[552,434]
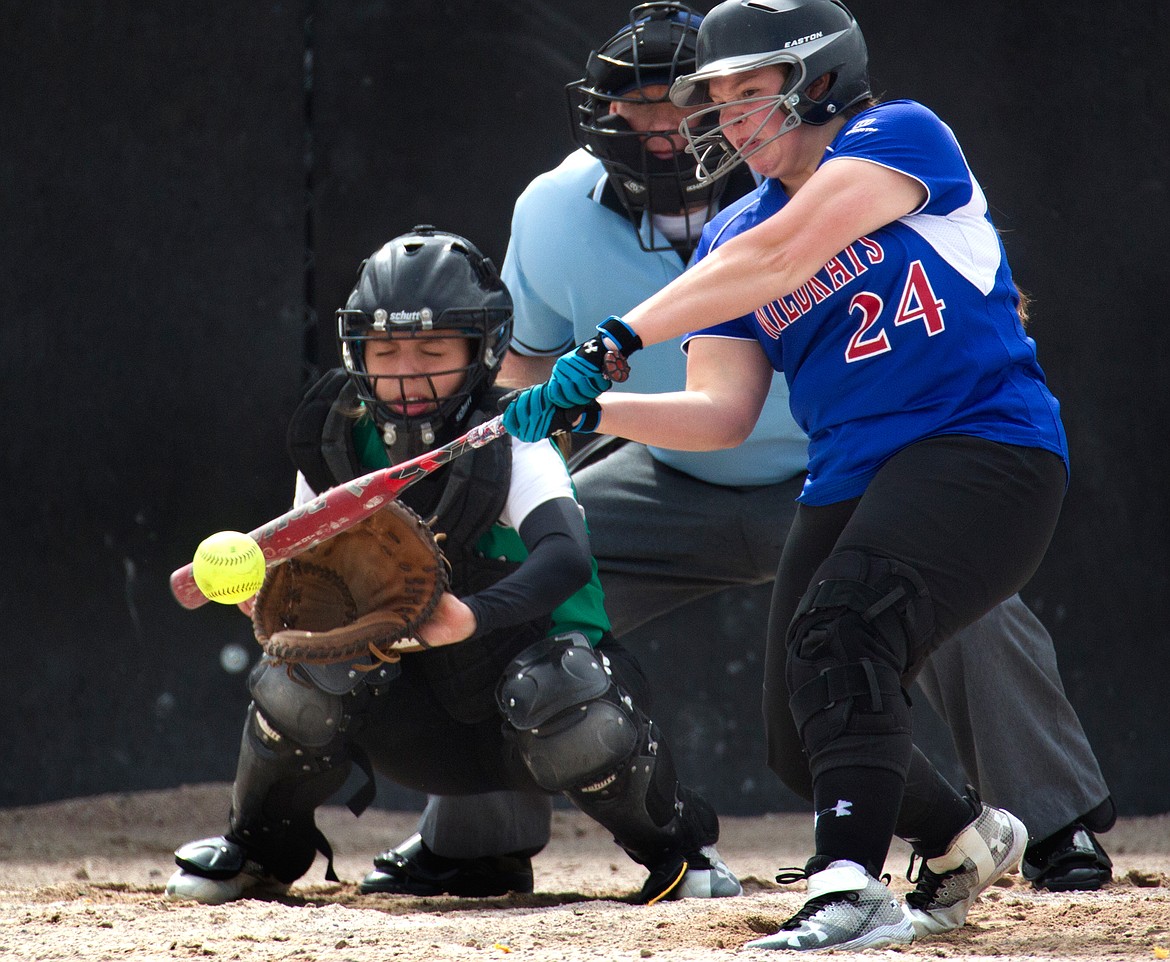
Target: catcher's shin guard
[642,803]
[580,734]
[278,786]
[298,706]
[317,705]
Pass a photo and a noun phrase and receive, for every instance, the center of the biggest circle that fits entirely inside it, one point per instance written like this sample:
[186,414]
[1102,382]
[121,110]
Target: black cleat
[413,869]
[1071,860]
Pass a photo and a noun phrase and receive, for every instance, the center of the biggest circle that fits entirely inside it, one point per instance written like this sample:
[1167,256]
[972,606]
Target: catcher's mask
[810,38]
[425,283]
[655,48]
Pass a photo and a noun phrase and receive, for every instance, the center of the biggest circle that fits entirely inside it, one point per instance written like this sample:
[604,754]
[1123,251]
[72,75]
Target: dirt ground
[84,879]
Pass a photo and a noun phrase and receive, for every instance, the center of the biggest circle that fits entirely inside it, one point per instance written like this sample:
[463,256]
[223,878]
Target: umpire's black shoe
[413,869]
[1071,860]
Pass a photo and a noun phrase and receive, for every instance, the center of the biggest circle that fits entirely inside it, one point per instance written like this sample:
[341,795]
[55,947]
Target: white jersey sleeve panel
[538,475]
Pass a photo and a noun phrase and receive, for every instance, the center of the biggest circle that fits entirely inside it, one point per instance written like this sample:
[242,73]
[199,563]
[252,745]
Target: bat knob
[615,366]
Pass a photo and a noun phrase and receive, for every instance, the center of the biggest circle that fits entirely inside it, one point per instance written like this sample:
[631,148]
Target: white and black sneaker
[847,908]
[216,870]
[707,877]
[210,891]
[696,875]
[947,886]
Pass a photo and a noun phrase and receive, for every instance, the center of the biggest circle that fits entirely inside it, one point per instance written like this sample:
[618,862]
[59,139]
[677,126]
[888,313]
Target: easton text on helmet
[799,41]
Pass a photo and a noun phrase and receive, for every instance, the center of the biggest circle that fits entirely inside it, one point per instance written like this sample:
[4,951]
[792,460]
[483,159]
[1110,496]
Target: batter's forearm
[682,420]
[844,200]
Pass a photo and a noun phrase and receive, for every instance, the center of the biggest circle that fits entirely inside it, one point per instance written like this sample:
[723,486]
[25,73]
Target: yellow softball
[228,567]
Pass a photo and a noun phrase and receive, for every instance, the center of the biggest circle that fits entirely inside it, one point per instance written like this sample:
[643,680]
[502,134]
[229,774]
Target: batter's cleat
[847,908]
[413,869]
[1071,860]
[216,870]
[699,875]
[948,885]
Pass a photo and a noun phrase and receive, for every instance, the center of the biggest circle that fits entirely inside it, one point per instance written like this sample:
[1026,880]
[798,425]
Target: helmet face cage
[704,132]
[655,48]
[425,285]
[811,38]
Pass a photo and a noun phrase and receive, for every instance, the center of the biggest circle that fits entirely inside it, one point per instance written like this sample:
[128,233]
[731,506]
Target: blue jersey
[912,331]
[571,262]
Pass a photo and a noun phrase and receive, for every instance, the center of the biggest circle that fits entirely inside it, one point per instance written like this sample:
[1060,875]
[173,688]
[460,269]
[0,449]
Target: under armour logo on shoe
[841,809]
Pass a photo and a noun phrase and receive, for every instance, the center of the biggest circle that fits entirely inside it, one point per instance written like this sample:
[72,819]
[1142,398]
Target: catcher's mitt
[365,590]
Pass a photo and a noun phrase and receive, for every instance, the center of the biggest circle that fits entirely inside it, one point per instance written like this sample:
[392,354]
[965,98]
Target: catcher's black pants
[412,740]
[973,518]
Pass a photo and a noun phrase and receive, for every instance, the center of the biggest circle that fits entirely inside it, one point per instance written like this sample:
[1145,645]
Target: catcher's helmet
[426,280]
[656,47]
[811,38]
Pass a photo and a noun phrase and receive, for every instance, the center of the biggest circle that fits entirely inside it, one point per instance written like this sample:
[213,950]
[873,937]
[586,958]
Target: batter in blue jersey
[867,270]
[917,322]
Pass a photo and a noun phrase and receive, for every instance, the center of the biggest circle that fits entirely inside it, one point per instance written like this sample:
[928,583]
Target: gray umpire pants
[663,539]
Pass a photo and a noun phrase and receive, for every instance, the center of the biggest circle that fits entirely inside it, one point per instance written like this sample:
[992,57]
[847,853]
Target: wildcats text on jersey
[846,267]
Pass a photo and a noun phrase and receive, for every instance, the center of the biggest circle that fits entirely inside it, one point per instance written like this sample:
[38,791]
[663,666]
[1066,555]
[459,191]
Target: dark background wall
[185,196]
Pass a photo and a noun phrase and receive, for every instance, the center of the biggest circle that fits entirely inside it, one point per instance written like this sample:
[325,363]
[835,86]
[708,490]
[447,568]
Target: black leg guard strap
[365,794]
[854,635]
[879,686]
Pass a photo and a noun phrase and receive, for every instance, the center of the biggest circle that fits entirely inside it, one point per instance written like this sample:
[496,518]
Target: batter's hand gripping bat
[341,507]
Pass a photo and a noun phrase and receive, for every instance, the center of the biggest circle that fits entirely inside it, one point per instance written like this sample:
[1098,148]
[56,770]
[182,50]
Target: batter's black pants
[972,517]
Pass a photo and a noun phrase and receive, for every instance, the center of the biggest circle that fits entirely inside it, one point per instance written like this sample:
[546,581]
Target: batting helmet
[812,38]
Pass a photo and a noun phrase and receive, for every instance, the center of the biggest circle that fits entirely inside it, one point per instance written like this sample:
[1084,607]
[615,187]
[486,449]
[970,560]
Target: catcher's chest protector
[463,677]
[320,442]
[320,434]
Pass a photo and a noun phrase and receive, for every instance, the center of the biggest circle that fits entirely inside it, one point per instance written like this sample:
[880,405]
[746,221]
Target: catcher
[509,680]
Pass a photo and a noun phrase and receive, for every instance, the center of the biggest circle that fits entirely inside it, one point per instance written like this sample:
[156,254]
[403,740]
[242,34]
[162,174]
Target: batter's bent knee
[854,635]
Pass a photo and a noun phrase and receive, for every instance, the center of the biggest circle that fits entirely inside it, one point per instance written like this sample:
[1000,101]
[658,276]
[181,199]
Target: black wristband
[590,417]
[621,334]
[565,418]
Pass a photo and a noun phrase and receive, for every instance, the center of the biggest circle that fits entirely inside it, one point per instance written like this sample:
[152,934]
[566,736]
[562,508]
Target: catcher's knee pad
[573,724]
[853,635]
[297,706]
